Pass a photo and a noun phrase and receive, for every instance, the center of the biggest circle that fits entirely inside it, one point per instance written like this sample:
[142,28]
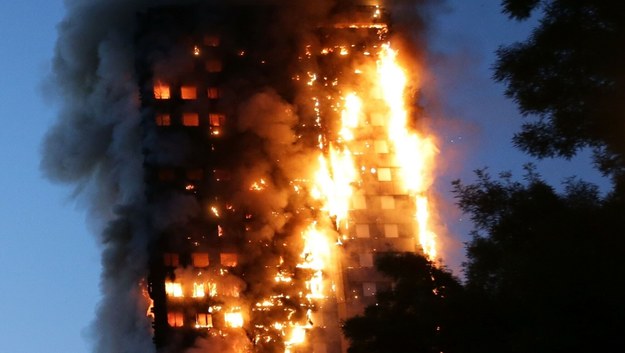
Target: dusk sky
[50,260]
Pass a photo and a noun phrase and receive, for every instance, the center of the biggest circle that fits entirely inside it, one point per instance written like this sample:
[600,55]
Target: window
[195,174]
[221,174]
[198,290]
[384,174]
[188,92]
[228,259]
[166,174]
[161,91]
[362,230]
[174,289]
[216,119]
[377,119]
[200,259]
[359,202]
[171,259]
[203,320]
[387,202]
[163,119]
[175,319]
[368,289]
[391,231]
[380,146]
[190,119]
[213,93]
[211,40]
[213,66]
[365,259]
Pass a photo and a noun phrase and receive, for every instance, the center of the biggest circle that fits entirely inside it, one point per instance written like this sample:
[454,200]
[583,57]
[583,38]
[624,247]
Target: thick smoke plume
[97,146]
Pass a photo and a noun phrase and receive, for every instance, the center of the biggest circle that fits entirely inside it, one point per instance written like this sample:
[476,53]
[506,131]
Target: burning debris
[257,154]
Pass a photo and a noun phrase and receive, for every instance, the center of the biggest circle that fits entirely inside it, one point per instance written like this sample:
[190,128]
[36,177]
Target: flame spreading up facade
[293,168]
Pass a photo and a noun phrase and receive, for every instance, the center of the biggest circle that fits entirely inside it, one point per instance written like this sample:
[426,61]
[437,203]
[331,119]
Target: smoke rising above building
[242,163]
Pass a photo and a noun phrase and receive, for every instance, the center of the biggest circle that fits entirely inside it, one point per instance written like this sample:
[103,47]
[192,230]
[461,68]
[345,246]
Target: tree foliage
[569,77]
[416,315]
[544,269]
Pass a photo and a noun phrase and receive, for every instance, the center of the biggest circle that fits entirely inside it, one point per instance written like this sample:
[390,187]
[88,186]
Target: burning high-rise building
[279,155]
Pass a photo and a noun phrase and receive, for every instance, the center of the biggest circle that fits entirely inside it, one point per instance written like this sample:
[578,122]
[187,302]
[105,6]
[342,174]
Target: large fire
[372,141]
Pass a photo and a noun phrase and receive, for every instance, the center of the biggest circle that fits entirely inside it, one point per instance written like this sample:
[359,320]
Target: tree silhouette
[569,78]
[416,315]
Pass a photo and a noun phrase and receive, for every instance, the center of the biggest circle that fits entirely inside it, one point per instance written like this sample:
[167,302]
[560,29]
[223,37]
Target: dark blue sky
[51,263]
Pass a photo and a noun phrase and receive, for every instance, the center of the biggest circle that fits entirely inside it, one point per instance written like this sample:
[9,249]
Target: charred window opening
[171,259]
[213,66]
[387,202]
[213,93]
[369,289]
[365,260]
[391,231]
[200,259]
[228,259]
[221,175]
[384,174]
[203,320]
[362,231]
[359,202]
[175,319]
[211,40]
[161,91]
[188,92]
[190,119]
[163,119]
[380,146]
[166,174]
[195,174]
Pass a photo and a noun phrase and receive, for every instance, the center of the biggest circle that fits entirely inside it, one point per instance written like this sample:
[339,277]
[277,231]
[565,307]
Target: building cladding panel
[196,66]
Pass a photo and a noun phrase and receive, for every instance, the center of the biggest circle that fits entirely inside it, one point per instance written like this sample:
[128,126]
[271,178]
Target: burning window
[368,289]
[234,319]
[359,202]
[387,202]
[171,259]
[216,120]
[365,260]
[161,91]
[174,289]
[200,259]
[228,259]
[203,320]
[391,231]
[188,92]
[195,174]
[163,119]
[213,66]
[362,230]
[199,290]
[384,174]
[380,146]
[166,174]
[211,40]
[190,119]
[175,319]
[213,93]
